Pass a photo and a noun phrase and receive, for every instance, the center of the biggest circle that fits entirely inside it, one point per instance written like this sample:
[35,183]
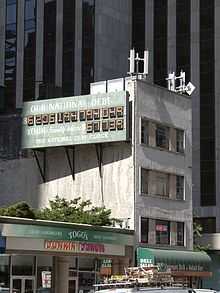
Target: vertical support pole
[99,153]
[71,164]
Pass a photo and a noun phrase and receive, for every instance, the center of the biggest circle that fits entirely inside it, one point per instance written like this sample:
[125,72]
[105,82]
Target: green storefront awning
[177,260]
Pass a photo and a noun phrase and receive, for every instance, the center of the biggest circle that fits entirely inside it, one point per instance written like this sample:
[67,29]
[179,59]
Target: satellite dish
[189,89]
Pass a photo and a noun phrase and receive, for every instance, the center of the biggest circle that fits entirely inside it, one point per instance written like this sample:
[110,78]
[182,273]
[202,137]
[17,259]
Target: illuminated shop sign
[75,120]
[78,247]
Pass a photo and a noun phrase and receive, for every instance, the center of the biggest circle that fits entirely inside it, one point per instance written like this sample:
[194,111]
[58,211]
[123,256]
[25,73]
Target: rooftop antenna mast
[178,83]
[134,62]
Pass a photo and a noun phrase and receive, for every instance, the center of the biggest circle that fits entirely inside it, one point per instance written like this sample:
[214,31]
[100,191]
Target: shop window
[144,230]
[23,265]
[180,234]
[179,141]
[179,187]
[144,181]
[208,224]
[160,184]
[162,232]
[44,273]
[144,131]
[162,137]
[4,272]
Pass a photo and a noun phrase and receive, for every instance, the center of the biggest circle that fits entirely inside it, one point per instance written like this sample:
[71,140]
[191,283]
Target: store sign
[75,120]
[67,246]
[61,233]
[145,258]
[106,263]
[46,279]
[77,247]
[183,267]
[168,261]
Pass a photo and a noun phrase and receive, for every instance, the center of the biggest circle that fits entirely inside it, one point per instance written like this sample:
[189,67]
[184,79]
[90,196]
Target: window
[160,41]
[88,39]
[179,187]
[68,47]
[29,50]
[179,141]
[162,232]
[207,103]
[144,230]
[144,131]
[208,224]
[160,184]
[10,56]
[49,43]
[144,181]
[162,136]
[180,234]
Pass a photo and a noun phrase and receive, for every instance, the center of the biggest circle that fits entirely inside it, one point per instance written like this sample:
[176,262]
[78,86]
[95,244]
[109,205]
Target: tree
[197,234]
[60,209]
[20,210]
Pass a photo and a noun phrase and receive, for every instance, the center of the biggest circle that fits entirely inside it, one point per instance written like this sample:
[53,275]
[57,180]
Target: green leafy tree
[76,211]
[20,210]
[60,209]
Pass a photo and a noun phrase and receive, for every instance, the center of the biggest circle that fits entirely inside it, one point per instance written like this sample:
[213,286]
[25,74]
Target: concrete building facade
[118,183]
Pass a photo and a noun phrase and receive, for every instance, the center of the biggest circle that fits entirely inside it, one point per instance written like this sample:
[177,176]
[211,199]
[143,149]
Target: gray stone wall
[171,109]
[21,179]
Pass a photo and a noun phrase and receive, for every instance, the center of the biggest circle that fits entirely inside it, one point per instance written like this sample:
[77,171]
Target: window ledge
[161,197]
[162,149]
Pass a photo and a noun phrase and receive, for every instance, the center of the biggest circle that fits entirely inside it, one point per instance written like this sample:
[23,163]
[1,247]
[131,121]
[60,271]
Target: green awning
[175,259]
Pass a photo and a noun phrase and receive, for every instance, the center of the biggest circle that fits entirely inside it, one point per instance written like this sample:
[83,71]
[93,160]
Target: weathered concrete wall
[21,180]
[173,110]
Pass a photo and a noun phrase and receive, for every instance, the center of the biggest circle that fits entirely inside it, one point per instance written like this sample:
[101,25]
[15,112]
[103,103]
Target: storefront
[187,267]
[43,257]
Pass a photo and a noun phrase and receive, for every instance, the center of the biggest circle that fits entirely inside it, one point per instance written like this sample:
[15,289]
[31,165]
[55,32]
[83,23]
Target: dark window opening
[183,9]
[160,42]
[138,27]
[162,232]
[29,50]
[144,230]
[49,44]
[9,95]
[207,103]
[68,47]
[88,39]
[180,233]
[208,224]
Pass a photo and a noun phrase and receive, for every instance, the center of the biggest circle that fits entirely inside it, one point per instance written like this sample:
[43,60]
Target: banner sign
[172,260]
[31,245]
[62,233]
[75,120]
[145,257]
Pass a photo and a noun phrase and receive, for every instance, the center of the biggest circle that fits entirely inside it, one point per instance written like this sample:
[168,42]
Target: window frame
[160,136]
[180,150]
[162,222]
[183,187]
[141,181]
[146,221]
[183,234]
[144,137]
